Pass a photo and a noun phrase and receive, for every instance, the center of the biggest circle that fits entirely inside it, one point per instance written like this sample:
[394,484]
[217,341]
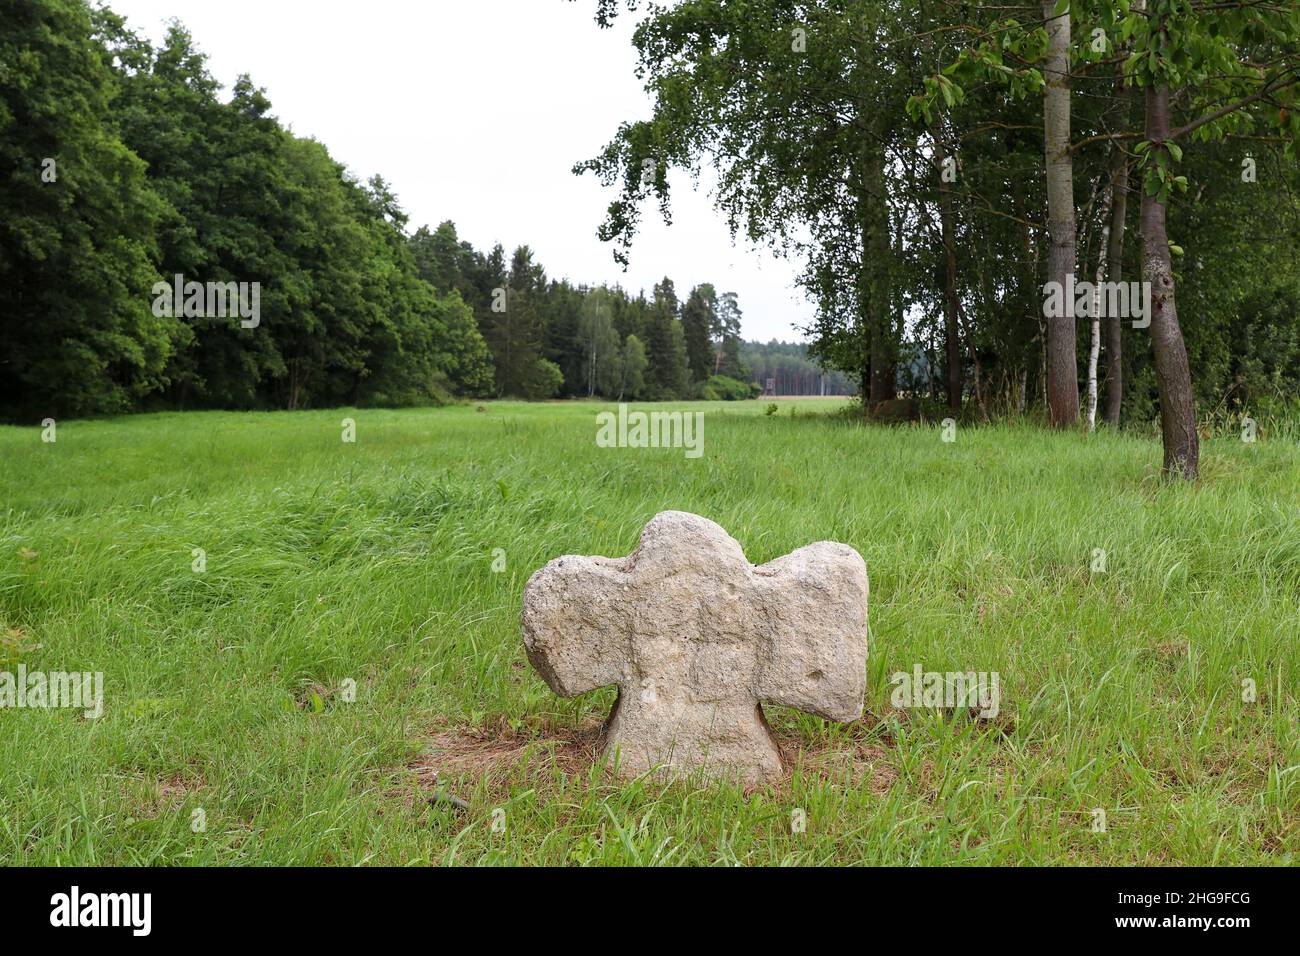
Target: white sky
[475,111]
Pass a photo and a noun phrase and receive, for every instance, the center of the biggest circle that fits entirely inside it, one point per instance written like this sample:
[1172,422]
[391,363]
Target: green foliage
[78,234]
[828,150]
[156,175]
[665,343]
[632,382]
[723,388]
[601,365]
[545,381]
[699,320]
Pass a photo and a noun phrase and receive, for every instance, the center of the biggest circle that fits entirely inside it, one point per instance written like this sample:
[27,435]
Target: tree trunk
[1115,256]
[1173,375]
[1095,306]
[1062,370]
[875,297]
[952,343]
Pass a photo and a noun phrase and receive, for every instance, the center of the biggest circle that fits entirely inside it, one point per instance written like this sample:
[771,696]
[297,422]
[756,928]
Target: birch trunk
[1062,368]
[1095,306]
[1115,255]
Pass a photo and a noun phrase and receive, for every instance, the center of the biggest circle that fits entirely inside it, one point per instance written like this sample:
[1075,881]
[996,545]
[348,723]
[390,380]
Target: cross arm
[813,605]
[575,629]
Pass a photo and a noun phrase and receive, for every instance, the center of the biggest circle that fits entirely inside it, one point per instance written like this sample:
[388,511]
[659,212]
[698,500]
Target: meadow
[348,659]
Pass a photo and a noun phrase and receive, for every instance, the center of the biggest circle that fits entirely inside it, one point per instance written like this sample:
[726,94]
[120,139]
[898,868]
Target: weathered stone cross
[695,637]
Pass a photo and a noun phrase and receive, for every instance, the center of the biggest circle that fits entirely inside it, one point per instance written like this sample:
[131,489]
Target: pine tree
[727,338]
[665,344]
[699,317]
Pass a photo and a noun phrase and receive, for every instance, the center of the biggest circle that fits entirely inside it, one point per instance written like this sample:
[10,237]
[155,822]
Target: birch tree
[1230,66]
[1062,369]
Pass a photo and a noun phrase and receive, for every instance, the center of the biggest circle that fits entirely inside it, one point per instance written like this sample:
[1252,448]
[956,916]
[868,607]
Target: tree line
[130,176]
[939,167]
[789,370]
[550,338]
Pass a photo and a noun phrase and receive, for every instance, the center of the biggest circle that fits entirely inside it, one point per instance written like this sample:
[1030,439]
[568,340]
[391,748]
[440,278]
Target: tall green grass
[372,562]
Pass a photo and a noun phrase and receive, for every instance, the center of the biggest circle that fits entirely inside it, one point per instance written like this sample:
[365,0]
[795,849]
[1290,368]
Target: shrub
[728,389]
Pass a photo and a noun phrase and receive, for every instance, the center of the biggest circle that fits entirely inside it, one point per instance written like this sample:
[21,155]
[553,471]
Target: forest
[938,167]
[131,169]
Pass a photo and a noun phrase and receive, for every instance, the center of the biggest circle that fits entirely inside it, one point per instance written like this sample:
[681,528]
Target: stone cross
[696,637]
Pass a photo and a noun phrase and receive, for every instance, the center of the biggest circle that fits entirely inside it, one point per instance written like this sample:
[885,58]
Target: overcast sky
[475,111]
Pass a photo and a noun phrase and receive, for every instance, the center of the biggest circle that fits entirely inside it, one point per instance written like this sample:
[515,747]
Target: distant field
[225,692]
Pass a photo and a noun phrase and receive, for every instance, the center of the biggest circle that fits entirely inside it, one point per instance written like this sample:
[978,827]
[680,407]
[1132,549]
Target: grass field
[227,691]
